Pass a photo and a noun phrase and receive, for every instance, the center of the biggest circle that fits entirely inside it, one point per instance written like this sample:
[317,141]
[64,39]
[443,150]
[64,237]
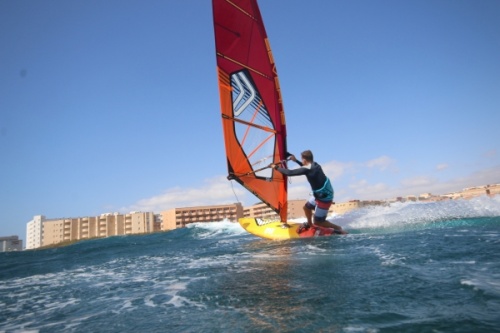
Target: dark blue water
[406,268]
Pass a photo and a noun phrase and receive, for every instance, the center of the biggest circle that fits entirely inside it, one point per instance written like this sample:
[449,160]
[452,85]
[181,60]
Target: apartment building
[34,229]
[261,210]
[10,243]
[296,209]
[180,217]
[344,207]
[44,232]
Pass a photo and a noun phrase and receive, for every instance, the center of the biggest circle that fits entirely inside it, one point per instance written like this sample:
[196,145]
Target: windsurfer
[322,189]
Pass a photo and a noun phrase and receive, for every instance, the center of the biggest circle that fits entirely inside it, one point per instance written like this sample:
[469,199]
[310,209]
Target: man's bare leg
[328,224]
[309,214]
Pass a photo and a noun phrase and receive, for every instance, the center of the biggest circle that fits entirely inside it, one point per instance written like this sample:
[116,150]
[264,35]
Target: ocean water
[413,267]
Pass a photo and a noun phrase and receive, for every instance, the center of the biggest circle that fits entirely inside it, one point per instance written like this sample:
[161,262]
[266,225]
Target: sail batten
[244,66]
[253,120]
[267,129]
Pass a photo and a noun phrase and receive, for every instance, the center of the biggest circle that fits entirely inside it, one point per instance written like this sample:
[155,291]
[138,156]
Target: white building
[34,232]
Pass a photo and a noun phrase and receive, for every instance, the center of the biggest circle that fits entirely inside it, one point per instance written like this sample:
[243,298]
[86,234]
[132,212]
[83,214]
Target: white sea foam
[414,213]
[386,259]
[471,262]
[310,248]
[485,283]
[217,229]
[360,329]
[120,283]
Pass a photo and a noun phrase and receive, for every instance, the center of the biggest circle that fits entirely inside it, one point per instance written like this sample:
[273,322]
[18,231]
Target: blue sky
[113,106]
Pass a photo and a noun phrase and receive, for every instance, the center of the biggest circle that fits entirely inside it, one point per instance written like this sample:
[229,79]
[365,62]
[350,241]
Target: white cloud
[382,163]
[300,190]
[492,153]
[364,190]
[441,166]
[482,177]
[217,190]
[359,184]
[335,169]
[418,181]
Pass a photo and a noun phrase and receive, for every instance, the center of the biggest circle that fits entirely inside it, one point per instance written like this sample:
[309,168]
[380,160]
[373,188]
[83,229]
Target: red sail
[252,111]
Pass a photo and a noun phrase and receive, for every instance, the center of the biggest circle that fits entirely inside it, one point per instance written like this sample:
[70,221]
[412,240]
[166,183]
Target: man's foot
[285,226]
[339,231]
[305,226]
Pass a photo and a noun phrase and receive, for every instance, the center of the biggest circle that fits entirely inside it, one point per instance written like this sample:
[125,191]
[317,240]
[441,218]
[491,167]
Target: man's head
[307,155]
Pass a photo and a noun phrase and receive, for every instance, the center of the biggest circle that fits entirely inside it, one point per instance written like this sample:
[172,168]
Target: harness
[325,193]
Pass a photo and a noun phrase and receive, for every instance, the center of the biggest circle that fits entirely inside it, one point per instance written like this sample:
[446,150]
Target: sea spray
[411,215]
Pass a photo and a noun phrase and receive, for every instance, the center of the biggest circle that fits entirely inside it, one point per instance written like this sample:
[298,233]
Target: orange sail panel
[253,119]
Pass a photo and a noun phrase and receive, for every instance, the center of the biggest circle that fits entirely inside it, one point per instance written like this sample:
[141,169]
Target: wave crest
[417,213]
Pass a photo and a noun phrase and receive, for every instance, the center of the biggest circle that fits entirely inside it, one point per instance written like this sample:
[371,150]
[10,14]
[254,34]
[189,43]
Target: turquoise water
[418,267]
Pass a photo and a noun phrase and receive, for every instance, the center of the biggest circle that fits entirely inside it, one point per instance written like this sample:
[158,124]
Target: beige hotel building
[45,232]
[180,217]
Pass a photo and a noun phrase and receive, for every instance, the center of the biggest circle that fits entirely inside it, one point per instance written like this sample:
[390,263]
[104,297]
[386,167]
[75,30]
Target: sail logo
[260,222]
[246,93]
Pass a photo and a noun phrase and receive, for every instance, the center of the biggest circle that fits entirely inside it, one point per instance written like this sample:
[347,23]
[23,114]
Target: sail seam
[241,10]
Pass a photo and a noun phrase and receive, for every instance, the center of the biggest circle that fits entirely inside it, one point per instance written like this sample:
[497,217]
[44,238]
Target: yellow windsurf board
[276,230]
